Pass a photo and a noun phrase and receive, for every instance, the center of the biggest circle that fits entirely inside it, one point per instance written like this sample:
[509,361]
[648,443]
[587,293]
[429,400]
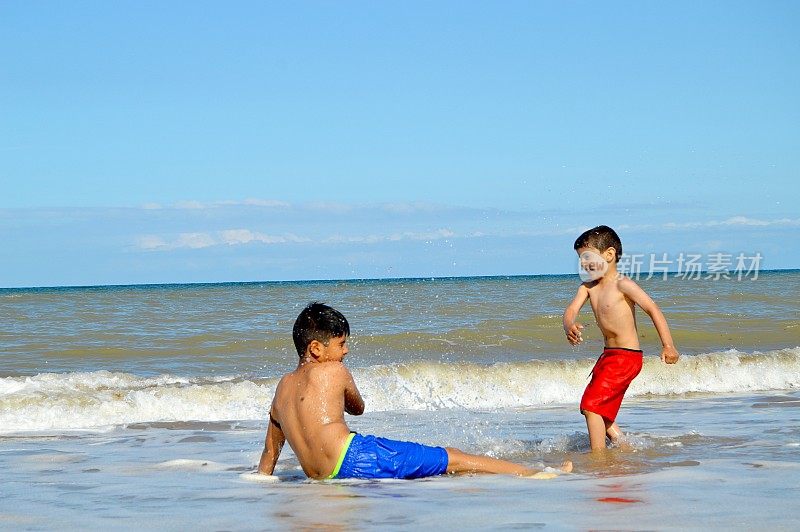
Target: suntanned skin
[614,299]
[308,412]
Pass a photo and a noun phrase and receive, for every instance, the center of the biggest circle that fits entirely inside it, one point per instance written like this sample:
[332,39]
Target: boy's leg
[617,437]
[597,429]
[461,462]
[613,431]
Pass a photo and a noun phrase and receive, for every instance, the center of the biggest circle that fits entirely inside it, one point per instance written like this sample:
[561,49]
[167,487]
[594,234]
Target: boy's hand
[669,354]
[574,336]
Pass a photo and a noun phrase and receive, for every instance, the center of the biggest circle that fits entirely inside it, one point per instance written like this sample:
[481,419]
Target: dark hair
[601,237]
[318,322]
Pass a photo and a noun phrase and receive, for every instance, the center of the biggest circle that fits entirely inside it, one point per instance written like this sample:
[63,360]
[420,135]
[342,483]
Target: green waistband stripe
[345,447]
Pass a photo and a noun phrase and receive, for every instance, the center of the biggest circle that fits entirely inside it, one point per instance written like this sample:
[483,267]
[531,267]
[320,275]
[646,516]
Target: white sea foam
[191,465]
[259,478]
[100,399]
[73,401]
[434,386]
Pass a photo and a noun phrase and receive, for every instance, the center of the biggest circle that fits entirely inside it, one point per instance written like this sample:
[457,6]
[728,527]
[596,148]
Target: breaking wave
[92,400]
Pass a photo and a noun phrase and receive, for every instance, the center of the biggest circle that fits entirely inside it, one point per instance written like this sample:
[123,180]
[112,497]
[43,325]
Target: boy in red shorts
[613,298]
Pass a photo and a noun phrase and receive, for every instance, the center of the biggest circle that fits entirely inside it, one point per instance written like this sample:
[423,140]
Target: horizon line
[338,280]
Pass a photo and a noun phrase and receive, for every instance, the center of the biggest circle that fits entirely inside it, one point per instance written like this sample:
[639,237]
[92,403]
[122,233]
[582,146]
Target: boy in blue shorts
[308,412]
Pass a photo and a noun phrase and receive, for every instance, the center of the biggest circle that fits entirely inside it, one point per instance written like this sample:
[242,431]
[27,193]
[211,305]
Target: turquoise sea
[143,407]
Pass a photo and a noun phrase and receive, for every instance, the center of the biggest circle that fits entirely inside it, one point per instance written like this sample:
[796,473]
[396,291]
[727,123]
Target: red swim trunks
[611,376]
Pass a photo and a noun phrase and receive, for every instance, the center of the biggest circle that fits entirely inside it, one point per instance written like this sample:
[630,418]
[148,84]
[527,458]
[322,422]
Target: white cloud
[255,202]
[250,202]
[324,208]
[411,208]
[151,243]
[266,203]
[183,240]
[192,205]
[394,230]
[195,240]
[438,234]
[229,237]
[239,237]
[743,220]
[233,237]
[354,239]
[393,237]
[740,221]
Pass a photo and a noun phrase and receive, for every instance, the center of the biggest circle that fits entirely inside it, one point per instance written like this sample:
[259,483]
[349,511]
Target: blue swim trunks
[374,457]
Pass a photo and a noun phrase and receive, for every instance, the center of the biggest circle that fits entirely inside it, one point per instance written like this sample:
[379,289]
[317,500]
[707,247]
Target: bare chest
[609,301]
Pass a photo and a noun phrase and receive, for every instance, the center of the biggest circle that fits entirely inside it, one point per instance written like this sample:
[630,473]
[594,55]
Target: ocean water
[143,407]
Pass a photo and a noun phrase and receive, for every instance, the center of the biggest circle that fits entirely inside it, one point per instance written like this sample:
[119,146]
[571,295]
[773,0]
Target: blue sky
[150,142]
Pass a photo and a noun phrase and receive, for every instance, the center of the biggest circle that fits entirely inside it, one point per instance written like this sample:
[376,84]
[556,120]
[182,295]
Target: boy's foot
[549,472]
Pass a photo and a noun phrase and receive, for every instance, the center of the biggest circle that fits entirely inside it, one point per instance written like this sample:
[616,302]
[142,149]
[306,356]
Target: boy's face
[593,263]
[335,351]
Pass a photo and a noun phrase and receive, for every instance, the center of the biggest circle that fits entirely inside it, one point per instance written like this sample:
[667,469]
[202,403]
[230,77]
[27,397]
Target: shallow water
[729,461]
[143,407]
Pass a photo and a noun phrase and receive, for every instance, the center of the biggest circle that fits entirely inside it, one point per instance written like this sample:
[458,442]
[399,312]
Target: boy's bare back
[309,409]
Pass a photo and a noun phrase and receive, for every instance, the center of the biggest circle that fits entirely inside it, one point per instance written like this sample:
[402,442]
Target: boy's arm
[353,403]
[273,444]
[571,327]
[668,352]
[336,379]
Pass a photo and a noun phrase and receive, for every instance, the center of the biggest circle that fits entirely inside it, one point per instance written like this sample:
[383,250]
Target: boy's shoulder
[620,282]
[625,284]
[330,370]
[315,375]
[623,281]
